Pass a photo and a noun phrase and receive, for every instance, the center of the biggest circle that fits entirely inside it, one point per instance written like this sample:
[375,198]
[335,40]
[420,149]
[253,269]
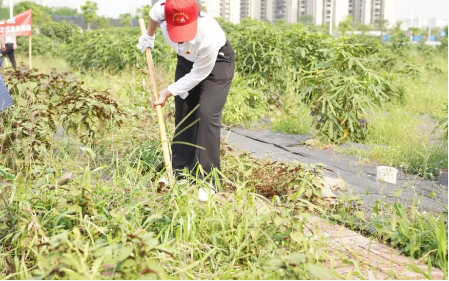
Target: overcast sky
[404,8]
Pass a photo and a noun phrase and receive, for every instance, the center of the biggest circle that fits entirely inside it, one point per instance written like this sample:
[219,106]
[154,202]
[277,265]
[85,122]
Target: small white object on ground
[204,194]
[387,174]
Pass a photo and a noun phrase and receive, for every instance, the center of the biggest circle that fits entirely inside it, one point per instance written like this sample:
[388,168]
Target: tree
[89,11]
[306,19]
[64,11]
[41,14]
[416,31]
[346,25]
[102,22]
[144,11]
[382,24]
[362,27]
[126,19]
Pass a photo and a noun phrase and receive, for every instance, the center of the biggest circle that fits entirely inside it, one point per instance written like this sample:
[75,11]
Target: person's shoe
[163,182]
[204,194]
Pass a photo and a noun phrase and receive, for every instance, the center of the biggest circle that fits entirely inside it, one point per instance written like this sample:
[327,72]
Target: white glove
[145,41]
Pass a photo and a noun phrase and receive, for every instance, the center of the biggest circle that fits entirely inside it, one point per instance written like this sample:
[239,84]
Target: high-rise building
[423,22]
[372,12]
[383,10]
[360,11]
[368,12]
[227,9]
[322,11]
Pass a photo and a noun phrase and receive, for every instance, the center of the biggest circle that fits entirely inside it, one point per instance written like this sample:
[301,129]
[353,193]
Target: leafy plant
[339,92]
[63,31]
[45,102]
[114,49]
[244,103]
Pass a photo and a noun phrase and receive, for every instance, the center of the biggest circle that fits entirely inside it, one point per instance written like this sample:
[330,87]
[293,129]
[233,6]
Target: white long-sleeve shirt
[202,50]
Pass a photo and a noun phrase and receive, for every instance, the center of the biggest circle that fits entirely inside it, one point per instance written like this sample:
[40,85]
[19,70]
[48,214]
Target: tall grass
[112,222]
[402,134]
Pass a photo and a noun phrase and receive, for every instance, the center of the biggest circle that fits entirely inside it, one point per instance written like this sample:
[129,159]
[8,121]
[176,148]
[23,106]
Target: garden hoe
[159,114]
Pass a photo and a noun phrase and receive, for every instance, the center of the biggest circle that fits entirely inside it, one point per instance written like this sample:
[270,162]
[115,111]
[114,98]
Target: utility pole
[330,23]
[413,20]
[10,9]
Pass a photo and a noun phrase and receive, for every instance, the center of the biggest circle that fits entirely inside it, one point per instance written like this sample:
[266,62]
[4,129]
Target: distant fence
[79,21]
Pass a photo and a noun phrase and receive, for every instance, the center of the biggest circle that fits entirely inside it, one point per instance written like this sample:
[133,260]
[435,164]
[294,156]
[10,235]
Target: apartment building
[423,22]
[383,10]
[286,10]
[360,11]
[371,12]
[323,11]
[368,12]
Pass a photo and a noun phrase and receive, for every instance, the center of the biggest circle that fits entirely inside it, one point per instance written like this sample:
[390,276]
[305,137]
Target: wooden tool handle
[159,114]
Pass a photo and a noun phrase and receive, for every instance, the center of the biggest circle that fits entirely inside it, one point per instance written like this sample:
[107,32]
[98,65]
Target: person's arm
[3,44]
[202,67]
[152,27]
[15,43]
[156,16]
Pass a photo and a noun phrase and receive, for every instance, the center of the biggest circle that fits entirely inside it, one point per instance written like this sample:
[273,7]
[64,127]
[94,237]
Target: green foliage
[306,19]
[356,73]
[102,22]
[113,49]
[399,39]
[341,89]
[416,234]
[293,181]
[41,14]
[346,25]
[121,227]
[45,102]
[244,103]
[64,11]
[42,45]
[4,13]
[63,31]
[292,118]
[443,40]
[149,155]
[126,19]
[144,12]
[89,11]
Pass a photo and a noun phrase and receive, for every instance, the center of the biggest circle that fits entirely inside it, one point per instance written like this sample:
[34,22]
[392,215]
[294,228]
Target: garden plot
[361,177]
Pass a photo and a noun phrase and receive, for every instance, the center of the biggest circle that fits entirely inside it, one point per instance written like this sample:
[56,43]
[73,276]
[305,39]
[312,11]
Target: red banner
[20,25]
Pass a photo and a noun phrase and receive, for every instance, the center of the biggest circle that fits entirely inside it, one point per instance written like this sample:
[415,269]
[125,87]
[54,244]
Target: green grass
[400,141]
[402,133]
[293,117]
[427,94]
[110,221]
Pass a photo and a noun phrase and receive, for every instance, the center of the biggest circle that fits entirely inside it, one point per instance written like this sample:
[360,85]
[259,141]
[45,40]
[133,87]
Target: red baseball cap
[182,19]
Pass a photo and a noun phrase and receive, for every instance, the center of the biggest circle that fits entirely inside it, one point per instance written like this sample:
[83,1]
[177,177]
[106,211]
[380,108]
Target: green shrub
[115,49]
[45,102]
[63,31]
[244,103]
[42,45]
[341,89]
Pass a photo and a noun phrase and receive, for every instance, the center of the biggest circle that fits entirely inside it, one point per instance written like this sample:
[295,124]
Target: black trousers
[211,96]
[10,53]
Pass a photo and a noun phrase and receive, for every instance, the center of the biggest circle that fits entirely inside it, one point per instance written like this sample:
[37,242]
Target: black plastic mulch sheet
[5,98]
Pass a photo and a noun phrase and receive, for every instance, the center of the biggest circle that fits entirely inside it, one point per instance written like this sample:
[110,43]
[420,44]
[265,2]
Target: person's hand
[163,96]
[145,41]
[3,48]
[14,47]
